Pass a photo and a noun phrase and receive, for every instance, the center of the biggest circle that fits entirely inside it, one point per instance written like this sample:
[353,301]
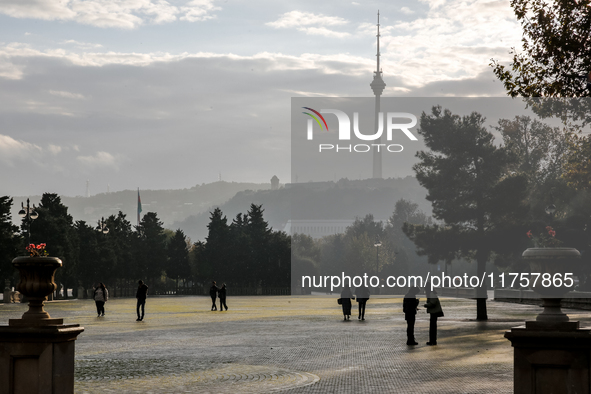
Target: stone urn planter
[36,283]
[551,261]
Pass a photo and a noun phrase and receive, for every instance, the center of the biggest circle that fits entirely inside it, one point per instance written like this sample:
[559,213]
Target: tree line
[166,259]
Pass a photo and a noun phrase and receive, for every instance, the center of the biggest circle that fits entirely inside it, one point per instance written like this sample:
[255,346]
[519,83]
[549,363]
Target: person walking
[434,309]
[362,295]
[222,296]
[141,295]
[409,307]
[213,291]
[101,295]
[345,300]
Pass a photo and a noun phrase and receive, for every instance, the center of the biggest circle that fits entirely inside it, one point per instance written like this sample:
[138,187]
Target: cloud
[61,93]
[82,45]
[110,14]
[198,10]
[453,41]
[99,160]
[12,150]
[54,149]
[309,23]
[406,11]
[16,58]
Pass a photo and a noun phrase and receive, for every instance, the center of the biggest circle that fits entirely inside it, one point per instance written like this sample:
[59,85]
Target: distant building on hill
[317,228]
[274,183]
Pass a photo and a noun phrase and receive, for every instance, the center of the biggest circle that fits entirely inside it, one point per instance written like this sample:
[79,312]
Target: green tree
[258,234]
[556,56]
[123,241]
[55,227]
[152,248]
[9,240]
[217,246]
[464,176]
[178,258]
[538,151]
[87,266]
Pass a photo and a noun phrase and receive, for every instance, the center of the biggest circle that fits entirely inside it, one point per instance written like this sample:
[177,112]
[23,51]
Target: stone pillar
[551,354]
[80,294]
[37,351]
[551,358]
[37,359]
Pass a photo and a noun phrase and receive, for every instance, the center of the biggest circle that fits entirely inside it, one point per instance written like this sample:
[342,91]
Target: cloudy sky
[168,94]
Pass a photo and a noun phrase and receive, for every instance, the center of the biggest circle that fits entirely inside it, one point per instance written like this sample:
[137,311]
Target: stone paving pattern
[288,345]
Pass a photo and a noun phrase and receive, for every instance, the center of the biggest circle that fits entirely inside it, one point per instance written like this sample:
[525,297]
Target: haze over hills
[171,205]
[189,209]
[341,200]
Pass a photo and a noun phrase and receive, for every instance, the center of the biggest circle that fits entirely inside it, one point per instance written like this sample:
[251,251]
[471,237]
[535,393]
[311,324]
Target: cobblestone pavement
[288,345]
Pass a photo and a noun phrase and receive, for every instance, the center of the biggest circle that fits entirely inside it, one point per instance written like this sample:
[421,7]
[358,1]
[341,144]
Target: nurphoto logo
[393,125]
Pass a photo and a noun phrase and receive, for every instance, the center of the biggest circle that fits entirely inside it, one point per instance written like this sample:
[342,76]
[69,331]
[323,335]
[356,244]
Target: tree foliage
[465,176]
[556,56]
[9,240]
[245,253]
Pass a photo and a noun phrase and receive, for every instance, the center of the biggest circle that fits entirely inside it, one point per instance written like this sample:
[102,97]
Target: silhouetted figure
[434,309]
[362,295]
[409,307]
[101,295]
[222,296]
[346,297]
[213,291]
[141,295]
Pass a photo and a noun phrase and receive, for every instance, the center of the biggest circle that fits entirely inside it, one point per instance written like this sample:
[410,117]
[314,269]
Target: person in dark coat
[409,307]
[222,296]
[362,295]
[213,292]
[141,295]
[434,309]
[346,297]
[101,295]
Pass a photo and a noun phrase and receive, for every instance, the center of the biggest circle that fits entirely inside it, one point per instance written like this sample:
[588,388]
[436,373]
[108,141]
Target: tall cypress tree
[218,244]
[153,247]
[178,258]
[258,233]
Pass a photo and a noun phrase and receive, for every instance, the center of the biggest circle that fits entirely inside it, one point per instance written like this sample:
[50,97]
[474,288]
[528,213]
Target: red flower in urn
[545,240]
[37,250]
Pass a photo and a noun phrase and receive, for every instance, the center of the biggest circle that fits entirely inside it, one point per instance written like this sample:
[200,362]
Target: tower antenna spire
[377,86]
[378,37]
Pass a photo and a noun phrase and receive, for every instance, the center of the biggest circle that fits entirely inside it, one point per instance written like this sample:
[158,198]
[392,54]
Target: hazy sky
[168,94]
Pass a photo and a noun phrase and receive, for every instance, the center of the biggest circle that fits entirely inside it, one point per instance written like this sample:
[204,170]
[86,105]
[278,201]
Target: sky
[157,94]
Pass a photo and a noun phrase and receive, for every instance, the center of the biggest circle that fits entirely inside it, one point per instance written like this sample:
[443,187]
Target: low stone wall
[576,300]
[457,292]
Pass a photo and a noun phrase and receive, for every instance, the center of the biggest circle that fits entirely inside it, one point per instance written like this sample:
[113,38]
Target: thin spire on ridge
[378,36]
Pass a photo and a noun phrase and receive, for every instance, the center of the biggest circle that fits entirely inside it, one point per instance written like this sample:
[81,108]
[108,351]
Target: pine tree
[464,174]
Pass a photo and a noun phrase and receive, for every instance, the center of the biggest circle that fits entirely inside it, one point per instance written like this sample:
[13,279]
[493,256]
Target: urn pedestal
[551,354]
[37,351]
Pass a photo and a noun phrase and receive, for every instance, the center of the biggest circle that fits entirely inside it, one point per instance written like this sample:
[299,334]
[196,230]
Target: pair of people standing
[220,292]
[410,306]
[101,295]
[362,295]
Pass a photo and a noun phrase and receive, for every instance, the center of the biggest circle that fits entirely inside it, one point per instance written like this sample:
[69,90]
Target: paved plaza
[287,344]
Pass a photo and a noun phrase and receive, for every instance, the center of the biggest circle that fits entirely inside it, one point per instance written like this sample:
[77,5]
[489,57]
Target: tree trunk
[481,293]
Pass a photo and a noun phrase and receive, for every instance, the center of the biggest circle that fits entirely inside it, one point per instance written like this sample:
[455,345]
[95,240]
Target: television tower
[377,85]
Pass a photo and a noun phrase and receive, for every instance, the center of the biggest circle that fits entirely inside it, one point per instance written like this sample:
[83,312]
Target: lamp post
[551,209]
[29,214]
[102,226]
[377,244]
